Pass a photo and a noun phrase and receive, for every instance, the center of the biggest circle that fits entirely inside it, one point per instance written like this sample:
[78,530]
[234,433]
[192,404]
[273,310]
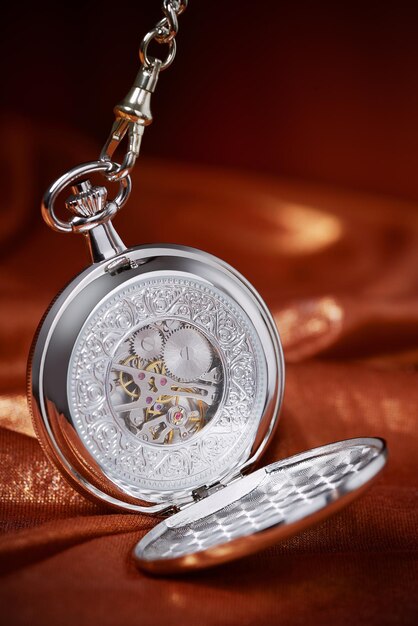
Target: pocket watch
[157,375]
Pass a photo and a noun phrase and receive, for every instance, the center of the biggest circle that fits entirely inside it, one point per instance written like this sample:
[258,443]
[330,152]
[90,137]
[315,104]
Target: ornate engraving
[203,457]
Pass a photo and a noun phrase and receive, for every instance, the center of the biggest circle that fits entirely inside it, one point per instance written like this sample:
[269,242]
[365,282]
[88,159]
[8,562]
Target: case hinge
[120,264]
[205,491]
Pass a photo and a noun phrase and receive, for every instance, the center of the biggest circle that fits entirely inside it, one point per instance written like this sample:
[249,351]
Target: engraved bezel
[53,370]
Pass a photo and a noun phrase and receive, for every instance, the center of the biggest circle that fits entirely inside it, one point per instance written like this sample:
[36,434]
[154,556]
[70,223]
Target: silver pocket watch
[157,375]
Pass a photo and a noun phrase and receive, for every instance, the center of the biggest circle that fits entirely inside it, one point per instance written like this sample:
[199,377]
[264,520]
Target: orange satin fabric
[340,273]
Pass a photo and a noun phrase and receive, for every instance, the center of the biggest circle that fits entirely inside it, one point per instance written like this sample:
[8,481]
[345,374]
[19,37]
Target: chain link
[168,27]
[164,32]
[132,114]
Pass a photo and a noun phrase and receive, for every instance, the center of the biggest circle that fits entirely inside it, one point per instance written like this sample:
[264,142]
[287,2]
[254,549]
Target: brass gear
[126,381]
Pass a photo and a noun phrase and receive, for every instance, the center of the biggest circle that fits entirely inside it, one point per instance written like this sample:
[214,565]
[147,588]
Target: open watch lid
[257,510]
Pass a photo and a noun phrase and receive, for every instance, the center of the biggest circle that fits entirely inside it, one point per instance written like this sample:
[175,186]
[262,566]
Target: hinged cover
[274,502]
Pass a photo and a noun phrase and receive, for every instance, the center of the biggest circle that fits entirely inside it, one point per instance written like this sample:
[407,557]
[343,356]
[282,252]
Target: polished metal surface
[259,509]
[103,242]
[133,114]
[73,359]
[83,223]
[86,200]
[136,105]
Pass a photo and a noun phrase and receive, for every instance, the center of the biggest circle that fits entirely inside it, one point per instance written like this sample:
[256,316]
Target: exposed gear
[147,343]
[126,381]
[187,354]
[144,395]
[170,325]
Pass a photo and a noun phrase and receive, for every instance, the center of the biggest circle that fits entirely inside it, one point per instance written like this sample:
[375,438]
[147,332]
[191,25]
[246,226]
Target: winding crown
[86,200]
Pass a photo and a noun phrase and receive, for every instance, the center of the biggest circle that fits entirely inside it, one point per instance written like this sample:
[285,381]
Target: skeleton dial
[166,382]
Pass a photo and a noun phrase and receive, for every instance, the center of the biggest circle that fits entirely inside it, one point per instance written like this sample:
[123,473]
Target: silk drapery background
[327,243]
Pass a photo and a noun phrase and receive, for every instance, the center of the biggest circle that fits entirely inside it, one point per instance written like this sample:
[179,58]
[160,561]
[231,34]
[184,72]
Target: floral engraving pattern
[194,462]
